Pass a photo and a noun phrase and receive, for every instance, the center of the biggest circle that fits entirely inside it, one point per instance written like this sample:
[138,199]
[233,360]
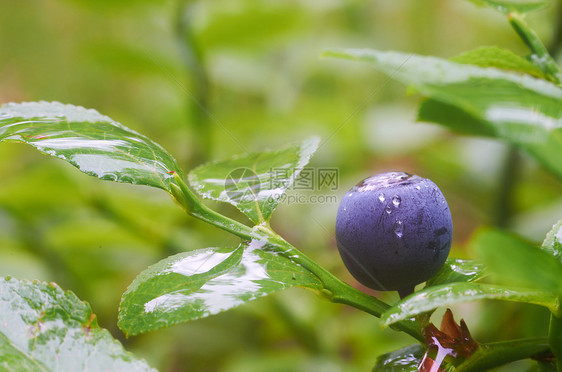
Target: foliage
[489,92]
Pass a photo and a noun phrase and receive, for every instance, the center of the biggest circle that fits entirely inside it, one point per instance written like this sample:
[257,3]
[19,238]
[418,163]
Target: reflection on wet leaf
[94,143]
[406,359]
[553,242]
[203,282]
[458,270]
[520,109]
[431,298]
[254,183]
[43,328]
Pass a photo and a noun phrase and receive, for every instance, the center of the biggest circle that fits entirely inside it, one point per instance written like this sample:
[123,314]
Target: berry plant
[393,230]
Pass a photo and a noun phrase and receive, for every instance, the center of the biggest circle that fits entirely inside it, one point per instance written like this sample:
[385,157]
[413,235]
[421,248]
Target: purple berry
[394,231]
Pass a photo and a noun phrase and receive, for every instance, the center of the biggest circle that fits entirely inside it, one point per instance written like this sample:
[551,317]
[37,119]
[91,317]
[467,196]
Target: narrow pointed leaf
[506,6]
[518,108]
[94,143]
[254,183]
[500,58]
[431,298]
[203,282]
[457,270]
[402,360]
[517,262]
[43,328]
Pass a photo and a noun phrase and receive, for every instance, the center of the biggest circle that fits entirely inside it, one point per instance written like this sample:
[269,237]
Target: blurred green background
[211,79]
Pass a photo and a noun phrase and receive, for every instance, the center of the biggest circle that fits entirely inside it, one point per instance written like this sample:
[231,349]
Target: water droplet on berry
[398,228]
[396,200]
[381,197]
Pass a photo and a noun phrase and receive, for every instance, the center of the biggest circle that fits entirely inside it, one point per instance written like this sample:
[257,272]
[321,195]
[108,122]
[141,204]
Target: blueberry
[394,231]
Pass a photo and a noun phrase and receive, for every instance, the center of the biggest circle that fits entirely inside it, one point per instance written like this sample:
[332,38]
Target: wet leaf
[495,354]
[431,298]
[517,262]
[518,108]
[43,328]
[402,360]
[256,182]
[500,58]
[203,282]
[457,270]
[506,6]
[553,242]
[94,143]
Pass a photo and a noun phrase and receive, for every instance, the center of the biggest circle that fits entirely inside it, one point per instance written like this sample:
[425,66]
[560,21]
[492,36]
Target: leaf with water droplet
[458,270]
[43,328]
[94,143]
[495,354]
[491,56]
[199,283]
[506,6]
[254,183]
[402,360]
[520,109]
[431,298]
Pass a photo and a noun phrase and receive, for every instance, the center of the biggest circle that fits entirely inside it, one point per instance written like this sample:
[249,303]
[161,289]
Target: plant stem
[555,339]
[509,176]
[556,44]
[540,56]
[198,96]
[334,289]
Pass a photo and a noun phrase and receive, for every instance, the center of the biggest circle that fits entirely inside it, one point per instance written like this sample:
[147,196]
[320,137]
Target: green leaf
[495,354]
[500,58]
[517,262]
[553,242]
[506,6]
[517,108]
[431,298]
[43,328]
[199,283]
[94,143]
[254,183]
[454,118]
[402,360]
[457,270]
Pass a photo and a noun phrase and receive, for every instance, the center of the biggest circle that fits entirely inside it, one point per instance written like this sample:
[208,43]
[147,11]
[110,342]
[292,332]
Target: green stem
[508,180]
[556,44]
[555,339]
[198,96]
[495,354]
[540,55]
[334,289]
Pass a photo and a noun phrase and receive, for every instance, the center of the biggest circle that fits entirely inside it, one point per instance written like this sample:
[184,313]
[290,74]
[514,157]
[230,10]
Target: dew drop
[418,187]
[398,228]
[381,197]
[396,200]
[388,210]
